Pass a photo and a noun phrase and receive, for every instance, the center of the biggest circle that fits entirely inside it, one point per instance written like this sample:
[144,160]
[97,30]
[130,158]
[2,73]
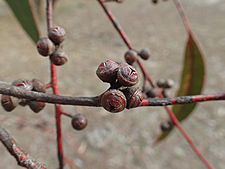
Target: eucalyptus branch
[8,89]
[23,159]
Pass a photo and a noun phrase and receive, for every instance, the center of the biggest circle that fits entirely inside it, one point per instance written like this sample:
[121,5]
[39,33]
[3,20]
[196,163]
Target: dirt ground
[124,140]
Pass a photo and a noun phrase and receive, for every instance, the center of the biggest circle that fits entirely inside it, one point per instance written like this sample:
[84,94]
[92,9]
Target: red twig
[189,139]
[116,24]
[183,16]
[148,77]
[54,82]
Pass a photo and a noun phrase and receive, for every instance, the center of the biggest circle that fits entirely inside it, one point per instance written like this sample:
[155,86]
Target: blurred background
[124,140]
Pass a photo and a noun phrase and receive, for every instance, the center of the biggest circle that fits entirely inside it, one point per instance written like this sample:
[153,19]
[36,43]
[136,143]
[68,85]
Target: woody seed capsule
[134,97]
[127,75]
[79,122]
[107,71]
[36,106]
[130,56]
[9,103]
[114,101]
[45,46]
[144,54]
[58,58]
[57,34]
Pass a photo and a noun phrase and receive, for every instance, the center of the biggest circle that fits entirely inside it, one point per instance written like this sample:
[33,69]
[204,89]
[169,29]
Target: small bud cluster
[51,46]
[122,77]
[9,103]
[131,55]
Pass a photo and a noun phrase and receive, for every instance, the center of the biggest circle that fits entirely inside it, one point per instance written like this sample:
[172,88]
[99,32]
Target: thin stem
[183,16]
[67,114]
[54,82]
[189,139]
[116,24]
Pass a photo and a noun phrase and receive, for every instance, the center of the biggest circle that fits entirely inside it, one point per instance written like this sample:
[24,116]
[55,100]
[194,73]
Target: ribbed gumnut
[134,97]
[38,86]
[36,106]
[58,58]
[107,71]
[113,101]
[144,54]
[130,56]
[165,84]
[9,103]
[166,126]
[23,83]
[57,34]
[127,75]
[79,122]
[45,46]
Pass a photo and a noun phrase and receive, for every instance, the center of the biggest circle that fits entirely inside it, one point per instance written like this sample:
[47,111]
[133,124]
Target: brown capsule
[107,71]
[57,34]
[134,97]
[144,54]
[45,46]
[114,101]
[79,122]
[154,92]
[36,106]
[23,83]
[166,126]
[130,56]
[127,75]
[9,103]
[58,58]
[165,84]
[38,86]
[154,1]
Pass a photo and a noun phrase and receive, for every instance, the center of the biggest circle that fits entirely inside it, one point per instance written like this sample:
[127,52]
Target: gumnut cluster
[9,103]
[131,55]
[122,93]
[52,46]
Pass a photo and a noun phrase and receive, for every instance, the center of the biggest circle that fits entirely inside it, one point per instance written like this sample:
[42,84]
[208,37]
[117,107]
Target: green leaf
[192,80]
[25,14]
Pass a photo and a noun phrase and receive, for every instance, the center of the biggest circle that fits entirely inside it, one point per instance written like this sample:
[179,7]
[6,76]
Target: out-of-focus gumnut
[144,54]
[107,71]
[79,122]
[45,46]
[166,126]
[127,75]
[113,101]
[57,34]
[165,84]
[58,58]
[38,86]
[130,56]
[153,92]
[36,106]
[154,1]
[24,84]
[9,103]
[134,97]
